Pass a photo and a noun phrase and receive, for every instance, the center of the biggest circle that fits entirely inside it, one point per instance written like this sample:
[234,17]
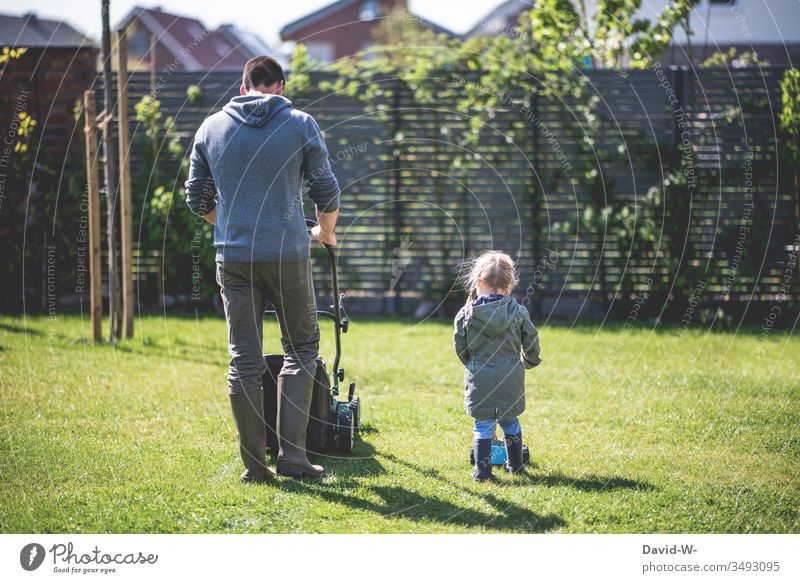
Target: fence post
[153,65]
[534,202]
[397,219]
[114,304]
[126,228]
[93,192]
[679,85]
[600,243]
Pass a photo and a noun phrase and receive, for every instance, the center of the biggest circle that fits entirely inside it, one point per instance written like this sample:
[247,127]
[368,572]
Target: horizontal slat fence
[410,215]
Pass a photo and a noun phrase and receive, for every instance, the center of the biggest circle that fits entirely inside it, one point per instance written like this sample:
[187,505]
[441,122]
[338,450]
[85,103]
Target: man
[248,165]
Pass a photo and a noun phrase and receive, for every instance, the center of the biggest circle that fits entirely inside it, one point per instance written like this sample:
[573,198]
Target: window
[138,42]
[370,10]
[321,51]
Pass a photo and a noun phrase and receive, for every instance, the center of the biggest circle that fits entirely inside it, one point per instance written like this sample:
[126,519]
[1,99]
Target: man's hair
[262,70]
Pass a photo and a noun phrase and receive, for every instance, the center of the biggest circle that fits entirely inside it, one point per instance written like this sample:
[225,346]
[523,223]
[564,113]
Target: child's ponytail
[466,272]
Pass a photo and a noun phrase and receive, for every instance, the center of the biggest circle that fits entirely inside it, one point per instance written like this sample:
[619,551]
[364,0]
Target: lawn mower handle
[339,325]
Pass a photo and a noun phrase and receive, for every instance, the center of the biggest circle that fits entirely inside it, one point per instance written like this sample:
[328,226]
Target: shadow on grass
[590,483]
[217,357]
[20,330]
[362,462]
[399,502]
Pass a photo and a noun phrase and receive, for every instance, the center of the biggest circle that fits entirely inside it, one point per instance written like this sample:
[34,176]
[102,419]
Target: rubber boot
[482,449]
[248,411]
[293,407]
[514,463]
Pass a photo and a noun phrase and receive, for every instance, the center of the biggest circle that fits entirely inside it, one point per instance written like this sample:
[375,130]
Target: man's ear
[242,90]
[280,87]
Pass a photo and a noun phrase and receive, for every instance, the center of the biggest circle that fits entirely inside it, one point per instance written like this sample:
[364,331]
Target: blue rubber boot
[482,449]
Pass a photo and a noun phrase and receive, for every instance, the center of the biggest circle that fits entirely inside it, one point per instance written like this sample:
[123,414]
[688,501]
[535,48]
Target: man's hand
[326,238]
[211,217]
[324,231]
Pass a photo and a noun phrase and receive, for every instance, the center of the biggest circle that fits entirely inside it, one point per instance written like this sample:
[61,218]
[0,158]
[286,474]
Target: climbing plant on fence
[614,168]
[580,168]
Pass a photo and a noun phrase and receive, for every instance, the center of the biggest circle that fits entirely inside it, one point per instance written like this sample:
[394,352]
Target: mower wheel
[471,457]
[345,434]
[355,406]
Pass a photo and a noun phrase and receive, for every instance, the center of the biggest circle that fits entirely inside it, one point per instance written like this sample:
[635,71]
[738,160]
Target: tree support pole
[126,227]
[109,151]
[93,194]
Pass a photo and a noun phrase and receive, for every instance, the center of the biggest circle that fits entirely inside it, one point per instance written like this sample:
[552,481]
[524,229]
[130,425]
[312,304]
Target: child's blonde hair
[496,268]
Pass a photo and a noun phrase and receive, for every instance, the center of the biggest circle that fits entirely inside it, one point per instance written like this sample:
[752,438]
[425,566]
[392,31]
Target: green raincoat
[496,342]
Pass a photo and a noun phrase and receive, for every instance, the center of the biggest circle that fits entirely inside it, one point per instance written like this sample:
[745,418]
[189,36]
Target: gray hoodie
[496,342]
[251,161]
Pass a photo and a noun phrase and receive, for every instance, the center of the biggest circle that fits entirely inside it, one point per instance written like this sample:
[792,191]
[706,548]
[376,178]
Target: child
[495,339]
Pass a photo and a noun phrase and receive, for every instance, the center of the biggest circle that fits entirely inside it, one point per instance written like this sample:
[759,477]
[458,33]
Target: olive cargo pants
[246,288]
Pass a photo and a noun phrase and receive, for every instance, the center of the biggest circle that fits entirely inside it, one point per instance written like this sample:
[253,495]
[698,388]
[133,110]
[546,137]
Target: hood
[256,110]
[493,319]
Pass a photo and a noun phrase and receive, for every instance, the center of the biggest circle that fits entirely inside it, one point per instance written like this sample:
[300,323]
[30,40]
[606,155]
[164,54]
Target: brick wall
[344,29]
[46,82]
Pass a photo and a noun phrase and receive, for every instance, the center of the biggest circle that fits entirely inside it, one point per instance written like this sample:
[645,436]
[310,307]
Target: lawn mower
[332,423]
[499,456]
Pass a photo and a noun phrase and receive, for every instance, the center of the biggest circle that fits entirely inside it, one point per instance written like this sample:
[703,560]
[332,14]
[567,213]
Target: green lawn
[629,432]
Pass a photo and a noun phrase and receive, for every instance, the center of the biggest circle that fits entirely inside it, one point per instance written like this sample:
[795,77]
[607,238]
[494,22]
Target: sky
[264,17]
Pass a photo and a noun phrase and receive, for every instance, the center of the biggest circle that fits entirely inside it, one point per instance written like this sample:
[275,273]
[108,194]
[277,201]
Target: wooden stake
[110,166]
[126,227]
[93,192]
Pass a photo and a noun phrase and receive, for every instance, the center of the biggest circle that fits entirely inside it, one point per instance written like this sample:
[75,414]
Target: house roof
[326,11]
[188,39]
[29,30]
[437,27]
[314,16]
[250,42]
[506,13]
